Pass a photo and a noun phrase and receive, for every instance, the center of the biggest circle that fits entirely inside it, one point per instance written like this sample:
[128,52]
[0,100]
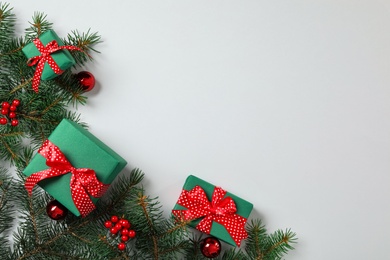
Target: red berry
[3,121]
[14,122]
[124,238]
[5,104]
[114,230]
[12,115]
[126,223]
[118,226]
[4,111]
[16,102]
[125,232]
[108,224]
[12,108]
[131,233]
[121,246]
[114,219]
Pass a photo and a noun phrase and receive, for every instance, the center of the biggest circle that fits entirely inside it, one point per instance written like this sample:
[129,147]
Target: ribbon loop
[221,209]
[45,56]
[82,183]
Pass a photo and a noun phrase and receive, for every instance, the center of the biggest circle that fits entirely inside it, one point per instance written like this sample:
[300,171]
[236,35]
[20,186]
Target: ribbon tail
[37,75]
[81,198]
[34,178]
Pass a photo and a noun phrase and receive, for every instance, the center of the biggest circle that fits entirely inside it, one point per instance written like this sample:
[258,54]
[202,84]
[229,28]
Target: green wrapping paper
[244,208]
[83,150]
[63,58]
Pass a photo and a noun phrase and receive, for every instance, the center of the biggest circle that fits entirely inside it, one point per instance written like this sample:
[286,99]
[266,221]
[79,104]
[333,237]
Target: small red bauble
[118,226]
[5,104]
[126,223]
[56,210]
[108,224]
[87,80]
[3,121]
[121,246]
[4,111]
[210,247]
[125,232]
[124,238]
[12,108]
[131,233]
[114,219]
[14,122]
[114,230]
[16,102]
[12,114]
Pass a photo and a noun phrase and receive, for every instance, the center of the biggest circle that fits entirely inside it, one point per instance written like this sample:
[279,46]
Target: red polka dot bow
[82,183]
[45,56]
[221,210]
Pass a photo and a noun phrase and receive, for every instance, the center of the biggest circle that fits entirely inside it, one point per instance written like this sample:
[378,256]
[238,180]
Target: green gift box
[244,208]
[63,58]
[82,150]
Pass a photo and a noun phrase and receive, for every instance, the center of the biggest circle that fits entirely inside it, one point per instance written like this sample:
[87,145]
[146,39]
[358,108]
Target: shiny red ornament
[108,224]
[125,232]
[16,102]
[5,104]
[114,219]
[3,121]
[114,230]
[56,210]
[126,223]
[14,122]
[131,233]
[12,115]
[124,238]
[121,246]
[210,247]
[4,111]
[87,80]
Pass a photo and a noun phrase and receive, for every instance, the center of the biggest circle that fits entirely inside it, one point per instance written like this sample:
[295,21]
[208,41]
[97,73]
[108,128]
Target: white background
[284,103]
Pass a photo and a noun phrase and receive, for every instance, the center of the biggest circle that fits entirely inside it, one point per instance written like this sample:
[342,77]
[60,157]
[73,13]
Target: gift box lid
[63,58]
[83,150]
[244,208]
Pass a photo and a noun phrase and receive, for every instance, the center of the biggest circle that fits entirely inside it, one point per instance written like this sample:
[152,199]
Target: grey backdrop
[284,103]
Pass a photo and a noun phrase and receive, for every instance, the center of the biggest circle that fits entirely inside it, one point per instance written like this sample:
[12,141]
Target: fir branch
[281,243]
[38,26]
[7,23]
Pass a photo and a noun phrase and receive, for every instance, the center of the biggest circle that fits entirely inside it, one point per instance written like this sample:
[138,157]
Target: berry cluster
[10,110]
[122,227]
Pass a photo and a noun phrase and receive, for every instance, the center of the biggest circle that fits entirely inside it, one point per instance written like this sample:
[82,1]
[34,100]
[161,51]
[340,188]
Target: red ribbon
[221,210]
[45,56]
[82,182]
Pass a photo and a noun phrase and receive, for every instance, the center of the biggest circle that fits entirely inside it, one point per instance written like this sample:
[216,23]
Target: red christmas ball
[87,80]
[114,219]
[114,230]
[4,111]
[121,246]
[3,121]
[108,224]
[5,104]
[125,232]
[12,114]
[210,247]
[16,102]
[126,223]
[124,238]
[131,233]
[56,210]
[14,122]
